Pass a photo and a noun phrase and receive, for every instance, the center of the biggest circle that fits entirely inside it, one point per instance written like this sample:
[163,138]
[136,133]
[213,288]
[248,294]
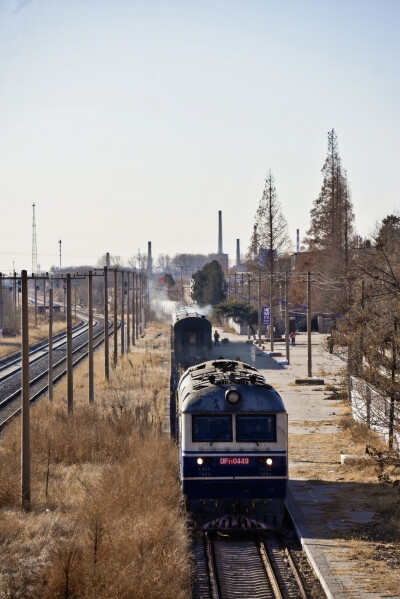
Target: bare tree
[270,237]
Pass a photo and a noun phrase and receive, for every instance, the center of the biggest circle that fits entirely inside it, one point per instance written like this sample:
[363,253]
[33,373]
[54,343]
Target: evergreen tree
[332,214]
[209,284]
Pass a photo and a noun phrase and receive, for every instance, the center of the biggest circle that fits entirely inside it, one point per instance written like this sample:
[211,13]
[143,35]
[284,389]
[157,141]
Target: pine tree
[332,214]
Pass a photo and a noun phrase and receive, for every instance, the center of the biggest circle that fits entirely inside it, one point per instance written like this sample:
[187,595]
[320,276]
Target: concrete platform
[324,523]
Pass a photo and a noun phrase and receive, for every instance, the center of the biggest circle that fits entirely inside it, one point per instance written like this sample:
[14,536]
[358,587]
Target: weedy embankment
[106,519]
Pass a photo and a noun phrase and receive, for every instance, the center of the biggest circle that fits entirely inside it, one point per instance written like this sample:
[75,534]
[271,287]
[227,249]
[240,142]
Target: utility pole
[70,380]
[90,294]
[115,316]
[287,318]
[106,347]
[137,305]
[59,243]
[309,355]
[25,437]
[34,244]
[122,313]
[1,303]
[248,284]
[393,385]
[182,302]
[128,324]
[35,283]
[259,310]
[271,308]
[133,309]
[51,342]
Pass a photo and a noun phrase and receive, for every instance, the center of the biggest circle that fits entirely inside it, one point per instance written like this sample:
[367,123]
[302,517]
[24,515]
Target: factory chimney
[237,253]
[219,232]
[297,240]
[149,258]
[255,243]
[108,263]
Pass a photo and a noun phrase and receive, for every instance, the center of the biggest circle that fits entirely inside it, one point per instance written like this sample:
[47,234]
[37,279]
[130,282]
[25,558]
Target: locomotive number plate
[236,461]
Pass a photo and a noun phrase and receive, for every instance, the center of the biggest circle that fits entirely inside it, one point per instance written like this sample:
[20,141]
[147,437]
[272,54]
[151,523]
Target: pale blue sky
[130,121]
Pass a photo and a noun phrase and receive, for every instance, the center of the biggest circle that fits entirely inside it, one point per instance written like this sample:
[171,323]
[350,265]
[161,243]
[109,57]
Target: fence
[373,409]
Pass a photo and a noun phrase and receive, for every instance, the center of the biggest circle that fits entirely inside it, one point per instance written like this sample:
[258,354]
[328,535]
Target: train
[192,341]
[232,433]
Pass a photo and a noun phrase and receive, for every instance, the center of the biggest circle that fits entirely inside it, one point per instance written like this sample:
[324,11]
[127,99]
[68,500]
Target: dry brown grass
[107,518]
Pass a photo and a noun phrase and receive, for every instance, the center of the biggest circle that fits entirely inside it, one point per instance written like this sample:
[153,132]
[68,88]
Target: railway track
[10,384]
[251,566]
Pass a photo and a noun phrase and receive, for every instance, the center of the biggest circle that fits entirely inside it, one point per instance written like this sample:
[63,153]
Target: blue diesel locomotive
[232,437]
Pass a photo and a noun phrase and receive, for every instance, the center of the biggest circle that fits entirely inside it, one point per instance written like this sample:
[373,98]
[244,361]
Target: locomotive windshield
[256,428]
[212,428]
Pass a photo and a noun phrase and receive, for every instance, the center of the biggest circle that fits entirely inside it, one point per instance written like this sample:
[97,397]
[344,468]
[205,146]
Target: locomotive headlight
[200,461]
[268,461]
[232,396]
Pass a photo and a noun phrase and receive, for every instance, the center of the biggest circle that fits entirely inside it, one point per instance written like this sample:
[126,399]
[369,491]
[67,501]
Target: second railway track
[10,392]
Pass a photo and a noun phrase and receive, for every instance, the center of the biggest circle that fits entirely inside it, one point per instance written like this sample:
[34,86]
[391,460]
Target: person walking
[293,338]
[216,338]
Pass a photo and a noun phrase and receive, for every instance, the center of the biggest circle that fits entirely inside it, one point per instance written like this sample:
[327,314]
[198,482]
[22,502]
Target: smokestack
[255,243]
[298,241]
[149,258]
[237,252]
[108,259]
[219,232]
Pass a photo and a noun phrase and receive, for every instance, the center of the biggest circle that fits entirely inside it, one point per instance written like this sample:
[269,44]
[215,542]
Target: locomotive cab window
[192,337]
[256,428]
[212,428]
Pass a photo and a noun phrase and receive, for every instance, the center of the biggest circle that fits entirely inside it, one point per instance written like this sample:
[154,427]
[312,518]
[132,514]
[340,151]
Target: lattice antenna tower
[34,244]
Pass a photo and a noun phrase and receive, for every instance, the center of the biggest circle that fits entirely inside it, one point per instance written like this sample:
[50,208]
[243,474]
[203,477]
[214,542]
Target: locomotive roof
[190,313]
[202,388]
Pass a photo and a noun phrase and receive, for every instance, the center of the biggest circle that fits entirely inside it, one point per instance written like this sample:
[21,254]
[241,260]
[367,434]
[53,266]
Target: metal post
[44,300]
[128,323]
[122,313]
[309,324]
[259,310]
[115,316]
[70,392]
[106,347]
[35,283]
[181,287]
[25,437]
[393,381]
[137,307]
[271,307]
[133,310]
[75,296]
[287,318]
[141,301]
[90,293]
[1,303]
[235,288]
[249,284]
[51,342]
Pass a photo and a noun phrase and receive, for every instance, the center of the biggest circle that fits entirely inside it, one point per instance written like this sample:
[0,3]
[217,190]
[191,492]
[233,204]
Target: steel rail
[269,569]
[40,347]
[14,357]
[211,568]
[297,574]
[59,376]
